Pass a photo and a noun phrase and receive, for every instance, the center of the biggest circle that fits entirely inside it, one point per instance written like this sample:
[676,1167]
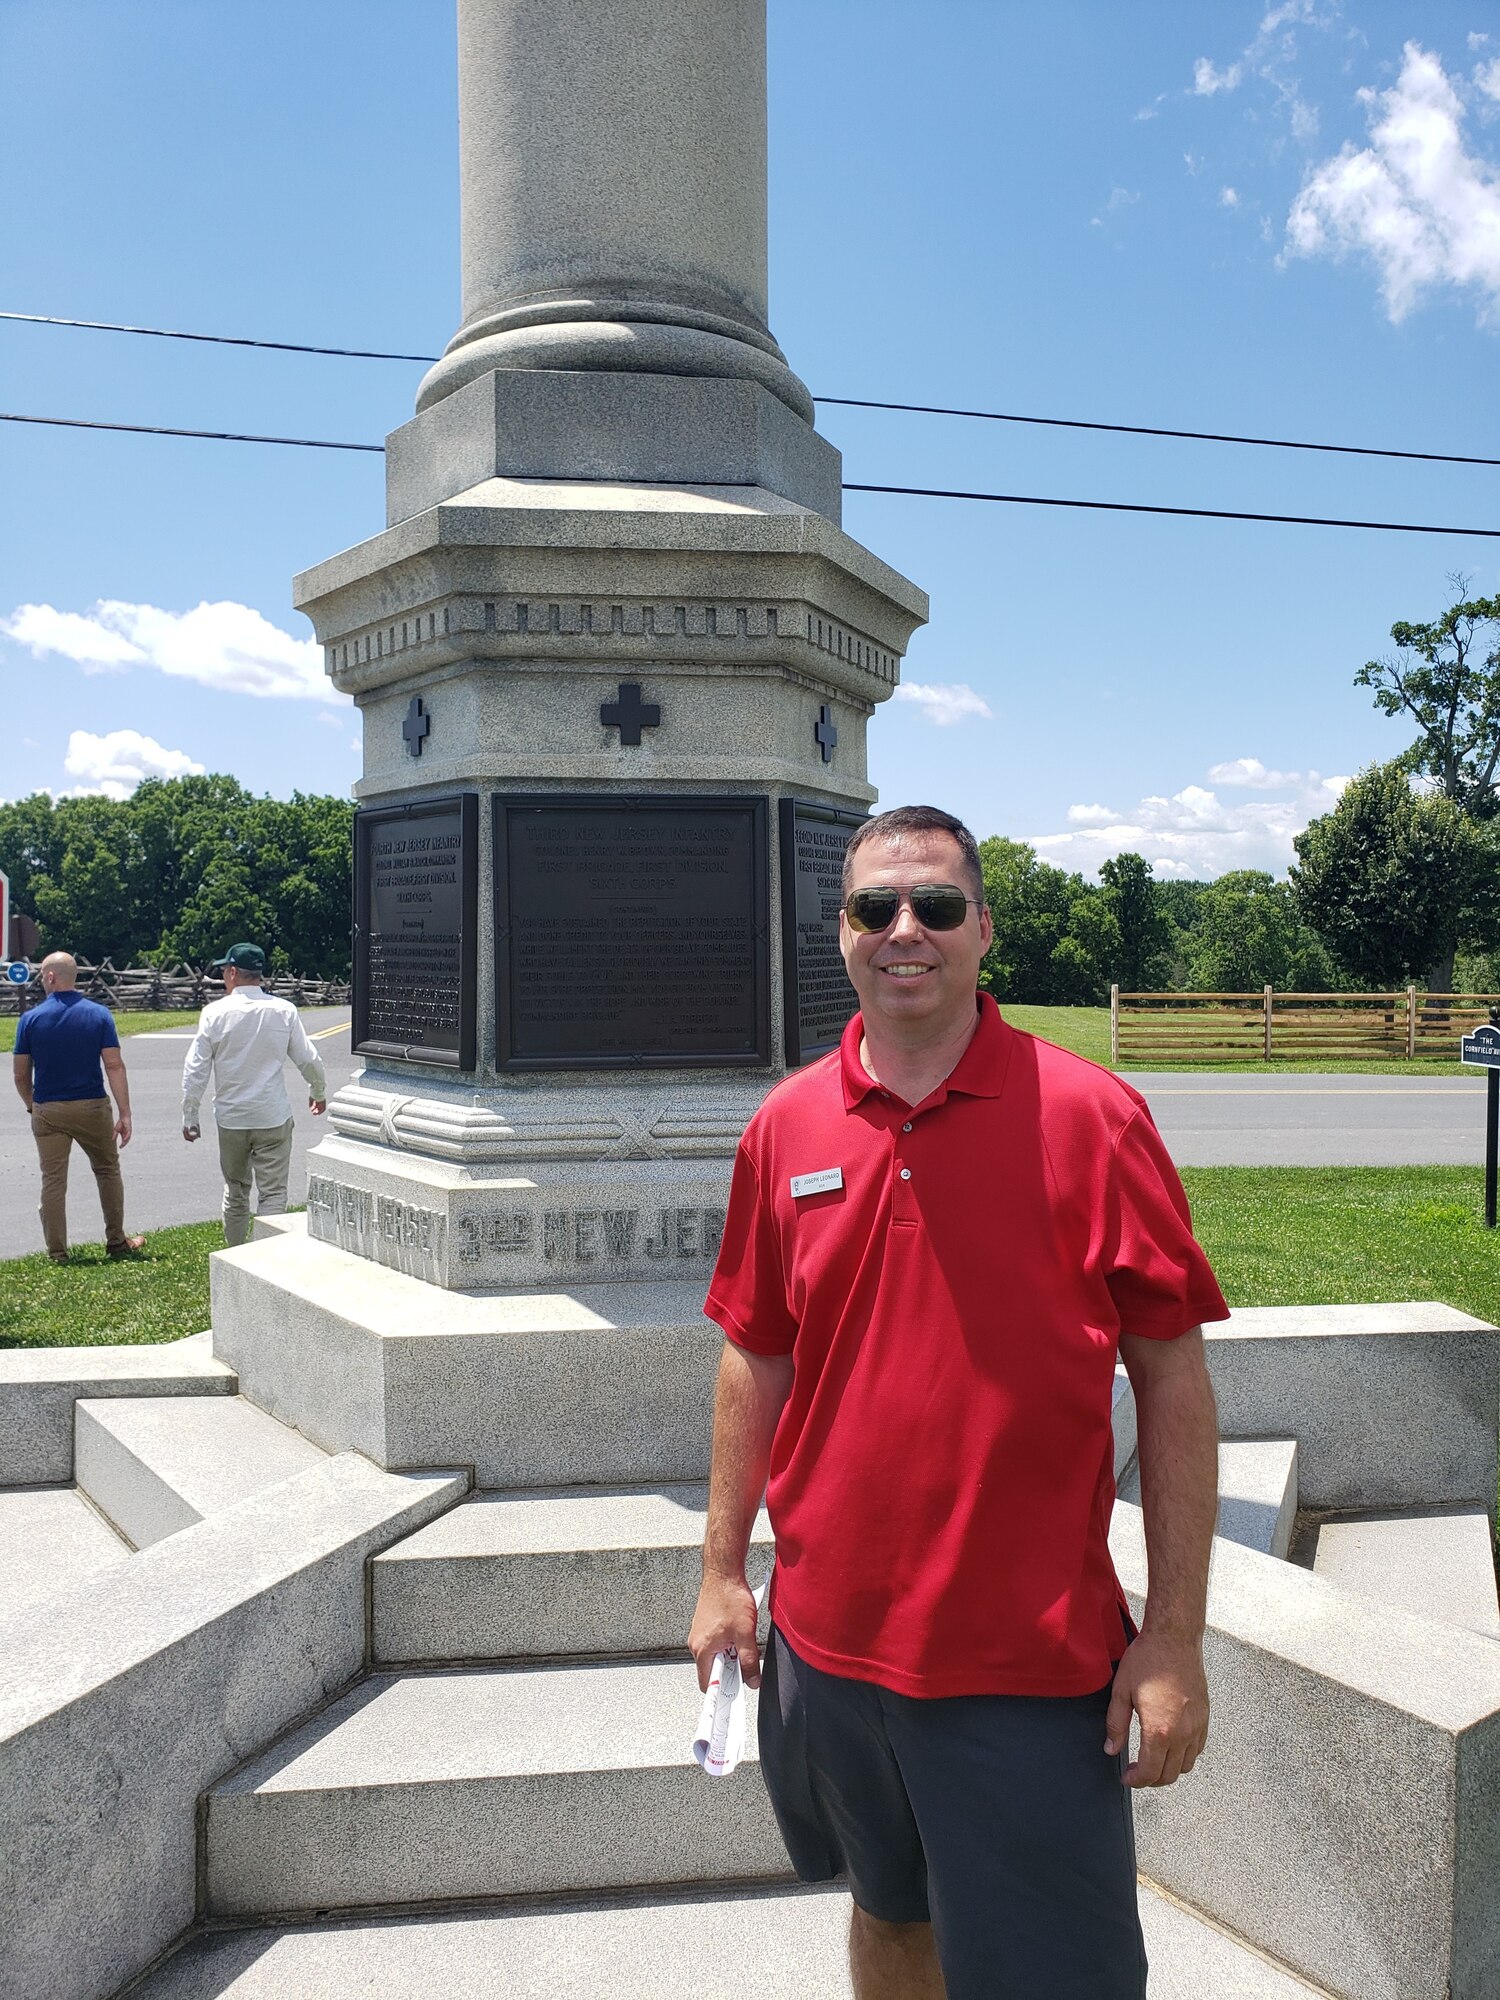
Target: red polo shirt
[943,1472]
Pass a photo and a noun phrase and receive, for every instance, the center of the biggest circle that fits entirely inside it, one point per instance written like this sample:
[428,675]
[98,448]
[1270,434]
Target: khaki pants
[263,1153]
[90,1123]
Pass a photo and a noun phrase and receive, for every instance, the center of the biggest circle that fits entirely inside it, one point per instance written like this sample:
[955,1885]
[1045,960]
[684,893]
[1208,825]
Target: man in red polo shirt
[938,1240]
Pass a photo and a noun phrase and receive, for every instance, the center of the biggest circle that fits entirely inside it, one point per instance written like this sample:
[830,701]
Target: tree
[182,868]
[1053,939]
[1385,876]
[1250,933]
[1446,677]
[1131,898]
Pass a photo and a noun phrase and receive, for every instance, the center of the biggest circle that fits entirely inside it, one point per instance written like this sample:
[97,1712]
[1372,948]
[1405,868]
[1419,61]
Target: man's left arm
[119,1090]
[305,1056]
[20,1069]
[1161,1676]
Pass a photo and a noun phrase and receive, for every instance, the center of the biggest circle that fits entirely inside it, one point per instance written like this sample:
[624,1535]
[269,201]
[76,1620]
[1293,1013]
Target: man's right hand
[725,1617]
[190,1133]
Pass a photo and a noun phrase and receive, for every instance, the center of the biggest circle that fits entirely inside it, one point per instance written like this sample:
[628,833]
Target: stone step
[607,1384]
[50,1540]
[421,1787]
[1438,1565]
[40,1385]
[789,1942]
[1257,1493]
[575,1570]
[156,1464]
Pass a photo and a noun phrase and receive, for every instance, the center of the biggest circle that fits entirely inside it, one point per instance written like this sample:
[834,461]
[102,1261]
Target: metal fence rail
[153,989]
[1259,1027]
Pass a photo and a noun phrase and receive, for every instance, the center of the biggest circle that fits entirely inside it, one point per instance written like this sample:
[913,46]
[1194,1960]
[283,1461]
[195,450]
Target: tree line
[1398,885]
[181,870]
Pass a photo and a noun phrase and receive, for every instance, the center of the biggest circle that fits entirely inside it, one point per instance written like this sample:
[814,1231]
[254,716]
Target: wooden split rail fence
[1147,1028]
[151,989]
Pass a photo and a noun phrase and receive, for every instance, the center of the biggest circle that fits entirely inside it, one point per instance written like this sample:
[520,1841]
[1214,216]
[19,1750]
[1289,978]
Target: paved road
[166,1180]
[1317,1121]
[1208,1120]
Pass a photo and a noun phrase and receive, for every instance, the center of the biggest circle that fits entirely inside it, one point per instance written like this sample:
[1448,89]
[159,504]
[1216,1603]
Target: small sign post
[5,944]
[1481,1050]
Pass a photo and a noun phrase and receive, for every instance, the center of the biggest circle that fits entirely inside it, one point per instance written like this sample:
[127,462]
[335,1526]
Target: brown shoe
[131,1247]
[59,1256]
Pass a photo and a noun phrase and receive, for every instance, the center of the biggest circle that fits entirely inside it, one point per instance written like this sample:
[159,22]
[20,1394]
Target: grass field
[94,1302]
[1085,1030]
[1275,1235]
[125,1024]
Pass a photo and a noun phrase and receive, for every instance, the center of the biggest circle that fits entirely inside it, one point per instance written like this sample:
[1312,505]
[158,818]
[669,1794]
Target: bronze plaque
[631,932]
[416,906]
[819,998]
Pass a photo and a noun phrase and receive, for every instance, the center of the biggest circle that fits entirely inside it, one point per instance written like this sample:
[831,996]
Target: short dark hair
[904,821]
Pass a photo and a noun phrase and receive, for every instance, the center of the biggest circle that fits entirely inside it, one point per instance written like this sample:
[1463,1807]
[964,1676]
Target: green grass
[1344,1235]
[1275,1235]
[125,1024]
[95,1302]
[1085,1030]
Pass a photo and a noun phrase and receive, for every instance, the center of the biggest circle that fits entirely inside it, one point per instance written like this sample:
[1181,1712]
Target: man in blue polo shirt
[65,1050]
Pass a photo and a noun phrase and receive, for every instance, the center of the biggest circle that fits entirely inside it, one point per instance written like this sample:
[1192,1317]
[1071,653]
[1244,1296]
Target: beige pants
[90,1123]
[264,1154]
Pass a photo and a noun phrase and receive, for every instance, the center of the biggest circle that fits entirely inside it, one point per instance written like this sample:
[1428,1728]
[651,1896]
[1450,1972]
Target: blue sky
[1281,219]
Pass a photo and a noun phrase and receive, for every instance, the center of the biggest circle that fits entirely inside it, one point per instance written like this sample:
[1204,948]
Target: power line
[850,486]
[1155,431]
[163,430]
[1195,513]
[844,402]
[215,339]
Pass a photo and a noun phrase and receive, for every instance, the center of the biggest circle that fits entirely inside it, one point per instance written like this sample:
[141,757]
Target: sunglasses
[937,906]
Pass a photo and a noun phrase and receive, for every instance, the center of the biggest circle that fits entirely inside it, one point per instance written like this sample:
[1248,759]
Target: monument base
[470,1228]
[606,1383]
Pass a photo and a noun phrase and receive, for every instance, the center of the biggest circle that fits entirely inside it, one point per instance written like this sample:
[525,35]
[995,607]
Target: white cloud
[116,763]
[1425,209]
[1487,78]
[1209,80]
[1249,774]
[226,646]
[1270,57]
[1195,834]
[1229,197]
[944,702]
[84,640]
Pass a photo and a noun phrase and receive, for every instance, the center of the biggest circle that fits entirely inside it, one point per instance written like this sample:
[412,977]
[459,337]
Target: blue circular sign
[18,972]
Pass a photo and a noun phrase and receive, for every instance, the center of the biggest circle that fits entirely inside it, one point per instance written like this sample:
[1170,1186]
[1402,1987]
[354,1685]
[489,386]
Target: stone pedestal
[612,594]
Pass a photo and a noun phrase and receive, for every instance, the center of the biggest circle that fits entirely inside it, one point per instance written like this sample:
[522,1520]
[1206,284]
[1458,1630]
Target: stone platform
[380,1691]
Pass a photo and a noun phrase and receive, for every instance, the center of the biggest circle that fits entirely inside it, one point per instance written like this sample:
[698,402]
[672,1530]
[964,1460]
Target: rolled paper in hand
[720,1741]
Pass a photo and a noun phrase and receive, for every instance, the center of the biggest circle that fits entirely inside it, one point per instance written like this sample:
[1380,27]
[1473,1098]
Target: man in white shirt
[242,1042]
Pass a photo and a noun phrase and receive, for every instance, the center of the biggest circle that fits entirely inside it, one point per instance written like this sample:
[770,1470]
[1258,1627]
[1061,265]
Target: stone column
[613,177]
[613,583]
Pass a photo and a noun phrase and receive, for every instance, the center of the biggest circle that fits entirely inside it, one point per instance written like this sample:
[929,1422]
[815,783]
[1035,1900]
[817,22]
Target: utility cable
[850,486]
[1196,513]
[162,430]
[844,402]
[215,339]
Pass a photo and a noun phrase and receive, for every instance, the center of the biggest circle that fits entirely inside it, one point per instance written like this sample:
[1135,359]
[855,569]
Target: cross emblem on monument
[824,733]
[417,726]
[629,714]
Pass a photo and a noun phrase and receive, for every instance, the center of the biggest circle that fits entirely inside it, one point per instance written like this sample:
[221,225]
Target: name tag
[818,1183]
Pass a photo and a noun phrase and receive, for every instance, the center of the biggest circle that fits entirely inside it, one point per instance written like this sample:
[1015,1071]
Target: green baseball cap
[245,957]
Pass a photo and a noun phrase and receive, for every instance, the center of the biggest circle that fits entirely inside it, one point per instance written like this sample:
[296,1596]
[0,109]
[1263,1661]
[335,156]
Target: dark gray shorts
[996,1818]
